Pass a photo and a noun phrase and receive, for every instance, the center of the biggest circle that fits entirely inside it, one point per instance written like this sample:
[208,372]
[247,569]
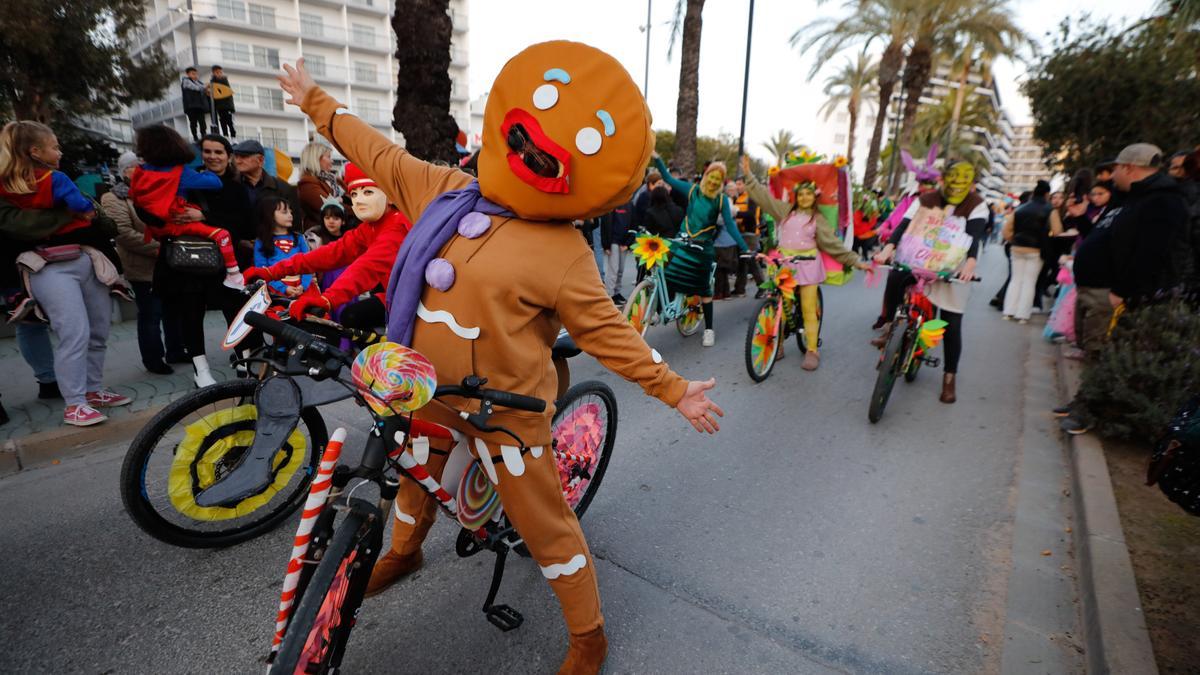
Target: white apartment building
[348,46]
[1027,165]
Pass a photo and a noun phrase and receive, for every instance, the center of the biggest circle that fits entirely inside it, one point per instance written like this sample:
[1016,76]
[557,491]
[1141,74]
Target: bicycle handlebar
[471,387]
[941,276]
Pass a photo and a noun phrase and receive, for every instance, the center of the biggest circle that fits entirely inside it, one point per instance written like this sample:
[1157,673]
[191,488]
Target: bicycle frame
[666,305]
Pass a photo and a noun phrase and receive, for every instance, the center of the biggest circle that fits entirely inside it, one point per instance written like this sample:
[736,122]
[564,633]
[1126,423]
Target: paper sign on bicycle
[934,241]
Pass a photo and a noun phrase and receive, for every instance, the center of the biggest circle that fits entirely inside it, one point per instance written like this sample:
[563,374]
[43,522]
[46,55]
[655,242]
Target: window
[270,98]
[266,57]
[839,138]
[244,96]
[368,109]
[231,9]
[365,72]
[362,35]
[275,137]
[843,117]
[315,64]
[261,15]
[311,25]
[232,51]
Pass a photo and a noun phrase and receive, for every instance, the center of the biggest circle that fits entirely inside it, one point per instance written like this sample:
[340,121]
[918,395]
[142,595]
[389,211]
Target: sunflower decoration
[840,161]
[804,155]
[772,171]
[651,250]
[785,281]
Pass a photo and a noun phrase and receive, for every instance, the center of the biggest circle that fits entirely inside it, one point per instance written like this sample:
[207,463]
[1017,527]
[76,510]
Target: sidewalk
[35,421]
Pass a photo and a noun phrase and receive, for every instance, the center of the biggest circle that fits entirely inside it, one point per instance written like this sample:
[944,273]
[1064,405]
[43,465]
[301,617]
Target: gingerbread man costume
[489,273]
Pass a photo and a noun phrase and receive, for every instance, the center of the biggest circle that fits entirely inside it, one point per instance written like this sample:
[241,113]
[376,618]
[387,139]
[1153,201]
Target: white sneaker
[235,281]
[203,377]
[710,338]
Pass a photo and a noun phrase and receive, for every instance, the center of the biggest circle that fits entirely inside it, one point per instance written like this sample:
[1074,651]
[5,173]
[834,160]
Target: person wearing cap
[367,252]
[222,95]
[138,257]
[250,158]
[195,101]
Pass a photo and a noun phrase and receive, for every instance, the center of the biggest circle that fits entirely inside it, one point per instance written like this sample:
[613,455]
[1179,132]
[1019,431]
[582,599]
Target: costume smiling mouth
[532,156]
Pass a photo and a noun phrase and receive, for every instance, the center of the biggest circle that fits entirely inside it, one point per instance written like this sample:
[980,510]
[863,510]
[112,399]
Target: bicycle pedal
[932,362]
[504,617]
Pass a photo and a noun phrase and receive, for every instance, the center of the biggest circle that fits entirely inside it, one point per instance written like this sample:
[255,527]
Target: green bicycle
[654,301]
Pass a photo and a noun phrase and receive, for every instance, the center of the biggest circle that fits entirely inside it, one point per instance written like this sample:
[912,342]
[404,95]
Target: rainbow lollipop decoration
[931,333]
[393,378]
[477,499]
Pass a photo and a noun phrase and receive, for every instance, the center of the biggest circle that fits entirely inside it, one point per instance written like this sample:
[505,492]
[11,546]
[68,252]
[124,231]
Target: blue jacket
[266,259]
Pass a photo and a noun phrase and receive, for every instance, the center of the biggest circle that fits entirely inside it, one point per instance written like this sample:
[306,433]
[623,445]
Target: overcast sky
[779,95]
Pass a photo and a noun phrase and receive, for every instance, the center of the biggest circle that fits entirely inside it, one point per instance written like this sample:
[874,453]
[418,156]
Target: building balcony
[233,61]
[459,21]
[239,18]
[458,57]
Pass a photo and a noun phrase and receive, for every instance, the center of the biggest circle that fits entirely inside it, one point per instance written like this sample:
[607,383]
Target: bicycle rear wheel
[889,370]
[193,443]
[316,635]
[638,307]
[762,340]
[584,431]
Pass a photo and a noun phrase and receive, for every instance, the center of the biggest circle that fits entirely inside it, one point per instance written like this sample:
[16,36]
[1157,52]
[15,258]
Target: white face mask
[368,203]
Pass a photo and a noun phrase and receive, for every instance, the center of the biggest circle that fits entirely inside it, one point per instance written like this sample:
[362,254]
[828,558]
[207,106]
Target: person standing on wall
[195,101]
[222,94]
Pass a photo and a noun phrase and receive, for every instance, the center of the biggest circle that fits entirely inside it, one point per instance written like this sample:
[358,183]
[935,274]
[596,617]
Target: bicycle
[652,300]
[911,336]
[200,474]
[332,561]
[776,318]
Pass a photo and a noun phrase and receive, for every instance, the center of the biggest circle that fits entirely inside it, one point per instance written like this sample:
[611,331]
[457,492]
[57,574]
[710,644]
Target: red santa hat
[355,178]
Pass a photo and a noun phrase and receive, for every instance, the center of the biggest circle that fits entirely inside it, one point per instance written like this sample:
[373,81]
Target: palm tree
[937,124]
[939,23]
[1184,14]
[850,87]
[686,22]
[780,145]
[965,60]
[867,20]
[422,111]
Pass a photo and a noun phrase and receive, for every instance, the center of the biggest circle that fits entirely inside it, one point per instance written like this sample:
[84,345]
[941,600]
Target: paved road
[800,539]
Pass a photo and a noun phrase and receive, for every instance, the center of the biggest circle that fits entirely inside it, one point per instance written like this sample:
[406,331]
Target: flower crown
[806,185]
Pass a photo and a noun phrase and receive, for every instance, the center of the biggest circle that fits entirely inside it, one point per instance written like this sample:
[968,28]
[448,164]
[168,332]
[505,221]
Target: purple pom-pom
[439,273]
[474,224]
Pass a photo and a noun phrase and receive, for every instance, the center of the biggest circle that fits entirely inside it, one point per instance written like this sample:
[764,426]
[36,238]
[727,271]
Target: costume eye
[588,141]
[545,96]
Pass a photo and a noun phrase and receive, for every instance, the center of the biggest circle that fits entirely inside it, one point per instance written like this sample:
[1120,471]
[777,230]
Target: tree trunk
[688,105]
[854,104]
[889,71]
[959,97]
[916,76]
[422,111]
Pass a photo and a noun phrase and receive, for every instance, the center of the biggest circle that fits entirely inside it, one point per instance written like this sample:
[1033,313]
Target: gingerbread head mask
[566,134]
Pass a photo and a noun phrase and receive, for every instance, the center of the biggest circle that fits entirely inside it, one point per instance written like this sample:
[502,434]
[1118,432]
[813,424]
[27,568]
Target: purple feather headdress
[926,173]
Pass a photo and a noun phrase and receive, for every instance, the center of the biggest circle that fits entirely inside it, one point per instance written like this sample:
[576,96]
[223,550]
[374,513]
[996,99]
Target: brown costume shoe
[585,654]
[947,389]
[879,342]
[392,567]
[811,361]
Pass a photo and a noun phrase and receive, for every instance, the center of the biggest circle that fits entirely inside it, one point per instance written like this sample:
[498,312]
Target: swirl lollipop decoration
[393,378]
[477,499]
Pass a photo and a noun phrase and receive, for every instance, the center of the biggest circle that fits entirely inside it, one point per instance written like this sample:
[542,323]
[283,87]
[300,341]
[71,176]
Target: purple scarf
[432,231]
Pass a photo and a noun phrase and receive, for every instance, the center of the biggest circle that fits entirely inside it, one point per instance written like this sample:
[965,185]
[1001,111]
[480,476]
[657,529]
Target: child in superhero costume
[157,188]
[490,272]
[802,231]
[707,209]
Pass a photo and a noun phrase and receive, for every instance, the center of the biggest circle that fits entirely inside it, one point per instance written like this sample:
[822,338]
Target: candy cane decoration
[318,492]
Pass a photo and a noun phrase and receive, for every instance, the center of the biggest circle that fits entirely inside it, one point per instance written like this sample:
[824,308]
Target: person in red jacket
[367,252]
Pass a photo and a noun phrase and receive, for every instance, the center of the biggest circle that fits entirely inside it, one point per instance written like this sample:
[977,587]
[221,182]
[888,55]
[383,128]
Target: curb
[1114,627]
[48,447]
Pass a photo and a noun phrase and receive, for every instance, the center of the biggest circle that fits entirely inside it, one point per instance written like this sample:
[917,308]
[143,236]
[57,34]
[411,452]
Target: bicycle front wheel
[639,308]
[889,370]
[195,442]
[316,635]
[584,430]
[762,340]
[689,323]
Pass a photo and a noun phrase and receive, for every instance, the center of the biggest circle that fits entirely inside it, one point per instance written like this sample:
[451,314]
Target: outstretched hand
[745,165]
[296,81]
[697,407]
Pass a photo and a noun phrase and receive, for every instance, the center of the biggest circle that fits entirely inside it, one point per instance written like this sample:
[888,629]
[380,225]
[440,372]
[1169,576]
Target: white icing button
[588,141]
[545,96]
[342,111]
[655,356]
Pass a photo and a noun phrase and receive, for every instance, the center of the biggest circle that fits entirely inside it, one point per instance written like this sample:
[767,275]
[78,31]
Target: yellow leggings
[810,316]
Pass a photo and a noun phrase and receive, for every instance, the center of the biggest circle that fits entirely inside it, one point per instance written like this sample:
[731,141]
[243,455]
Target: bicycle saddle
[564,346]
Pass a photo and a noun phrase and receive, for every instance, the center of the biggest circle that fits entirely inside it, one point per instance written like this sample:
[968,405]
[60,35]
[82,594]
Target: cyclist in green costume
[707,211]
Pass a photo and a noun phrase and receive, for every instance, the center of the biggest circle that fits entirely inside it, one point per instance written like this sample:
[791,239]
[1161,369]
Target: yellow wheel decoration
[191,453]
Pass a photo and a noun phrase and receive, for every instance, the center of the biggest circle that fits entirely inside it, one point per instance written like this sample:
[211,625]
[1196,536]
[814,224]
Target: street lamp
[745,85]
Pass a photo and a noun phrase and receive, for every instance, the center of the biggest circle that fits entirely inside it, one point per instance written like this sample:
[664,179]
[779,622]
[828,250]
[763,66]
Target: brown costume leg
[415,510]
[532,495]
